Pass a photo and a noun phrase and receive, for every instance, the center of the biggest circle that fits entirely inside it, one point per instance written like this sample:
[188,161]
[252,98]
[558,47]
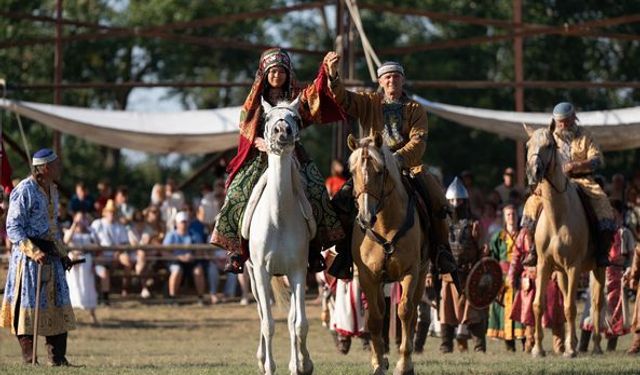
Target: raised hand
[331,60]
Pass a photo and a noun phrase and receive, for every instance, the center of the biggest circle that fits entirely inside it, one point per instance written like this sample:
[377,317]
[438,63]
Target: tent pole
[57,92]
[519,89]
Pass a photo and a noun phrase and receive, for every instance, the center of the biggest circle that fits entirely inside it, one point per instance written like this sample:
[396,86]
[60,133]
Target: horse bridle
[388,246]
[545,173]
[297,121]
[365,189]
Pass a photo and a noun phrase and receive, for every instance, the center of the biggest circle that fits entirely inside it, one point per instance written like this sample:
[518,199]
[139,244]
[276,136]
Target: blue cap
[563,110]
[43,156]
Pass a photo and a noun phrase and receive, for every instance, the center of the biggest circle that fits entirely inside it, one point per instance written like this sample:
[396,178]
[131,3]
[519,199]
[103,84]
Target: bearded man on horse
[580,157]
[403,125]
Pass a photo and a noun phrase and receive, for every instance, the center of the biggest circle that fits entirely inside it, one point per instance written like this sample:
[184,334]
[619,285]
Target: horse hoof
[569,354]
[379,371]
[385,363]
[597,351]
[537,353]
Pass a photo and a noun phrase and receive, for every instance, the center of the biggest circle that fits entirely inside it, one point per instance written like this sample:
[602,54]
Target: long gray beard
[567,135]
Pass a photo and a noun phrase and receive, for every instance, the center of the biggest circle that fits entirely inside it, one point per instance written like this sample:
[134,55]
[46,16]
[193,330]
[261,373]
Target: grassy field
[135,338]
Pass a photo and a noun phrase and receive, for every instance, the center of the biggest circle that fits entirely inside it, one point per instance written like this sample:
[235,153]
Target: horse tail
[281,295]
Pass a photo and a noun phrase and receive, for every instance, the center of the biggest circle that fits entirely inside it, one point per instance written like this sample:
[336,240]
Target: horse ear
[295,104]
[377,139]
[265,104]
[352,142]
[528,129]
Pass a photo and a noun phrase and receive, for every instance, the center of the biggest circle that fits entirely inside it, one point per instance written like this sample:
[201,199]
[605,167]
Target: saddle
[413,187]
[592,218]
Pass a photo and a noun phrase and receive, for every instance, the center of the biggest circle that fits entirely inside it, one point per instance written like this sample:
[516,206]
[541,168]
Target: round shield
[483,283]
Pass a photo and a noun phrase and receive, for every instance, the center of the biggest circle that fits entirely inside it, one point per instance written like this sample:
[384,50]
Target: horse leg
[260,354]
[407,313]
[303,363]
[262,288]
[597,299]
[375,298]
[570,312]
[542,278]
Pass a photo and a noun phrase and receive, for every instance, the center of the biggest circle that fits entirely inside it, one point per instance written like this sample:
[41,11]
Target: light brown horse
[387,244]
[562,240]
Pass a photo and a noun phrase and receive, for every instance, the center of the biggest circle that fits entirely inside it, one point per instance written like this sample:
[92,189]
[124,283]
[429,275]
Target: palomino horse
[279,225]
[562,240]
[388,245]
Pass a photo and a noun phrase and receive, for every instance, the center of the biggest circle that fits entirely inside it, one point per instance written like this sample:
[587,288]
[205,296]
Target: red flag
[5,169]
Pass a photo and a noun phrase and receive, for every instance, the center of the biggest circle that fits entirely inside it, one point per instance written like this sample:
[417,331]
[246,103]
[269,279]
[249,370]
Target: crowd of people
[109,219]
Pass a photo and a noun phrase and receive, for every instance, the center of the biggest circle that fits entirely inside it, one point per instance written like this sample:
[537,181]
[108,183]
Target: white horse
[279,224]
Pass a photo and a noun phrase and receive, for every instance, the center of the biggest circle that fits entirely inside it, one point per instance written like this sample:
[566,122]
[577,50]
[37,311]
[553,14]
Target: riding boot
[344,206]
[447,332]
[57,349]
[635,345]
[26,345]
[478,332]
[531,260]
[316,260]
[235,260]
[342,266]
[612,343]
[605,238]
[583,343]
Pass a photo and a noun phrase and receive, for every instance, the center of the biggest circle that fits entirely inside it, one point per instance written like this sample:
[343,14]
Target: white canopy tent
[204,131]
[188,132]
[617,129]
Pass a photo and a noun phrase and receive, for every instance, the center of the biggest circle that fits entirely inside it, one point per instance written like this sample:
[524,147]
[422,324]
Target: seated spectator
[104,194]
[157,195]
[124,209]
[81,278]
[141,234]
[208,205]
[153,219]
[174,201]
[81,201]
[111,233]
[185,261]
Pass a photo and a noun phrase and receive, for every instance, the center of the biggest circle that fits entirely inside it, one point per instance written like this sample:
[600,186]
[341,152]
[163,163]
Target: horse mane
[381,157]
[539,138]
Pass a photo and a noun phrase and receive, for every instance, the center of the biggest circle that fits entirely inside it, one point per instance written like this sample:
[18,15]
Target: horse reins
[548,165]
[389,247]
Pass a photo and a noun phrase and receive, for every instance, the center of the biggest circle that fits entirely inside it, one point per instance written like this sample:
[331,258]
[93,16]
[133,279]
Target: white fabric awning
[617,129]
[204,131]
[188,132]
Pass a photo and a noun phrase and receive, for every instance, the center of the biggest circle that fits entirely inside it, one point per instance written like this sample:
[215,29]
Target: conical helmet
[457,190]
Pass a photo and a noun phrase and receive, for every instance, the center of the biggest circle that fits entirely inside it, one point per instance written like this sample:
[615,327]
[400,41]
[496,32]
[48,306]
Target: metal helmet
[457,190]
